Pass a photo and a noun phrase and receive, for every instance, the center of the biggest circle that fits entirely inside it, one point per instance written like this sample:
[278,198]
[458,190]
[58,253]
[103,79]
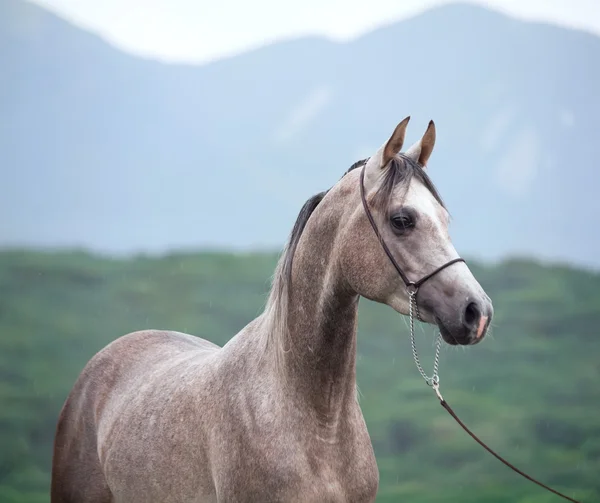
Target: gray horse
[272,416]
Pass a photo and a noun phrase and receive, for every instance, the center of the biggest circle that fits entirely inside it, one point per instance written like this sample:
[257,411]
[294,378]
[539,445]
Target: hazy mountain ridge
[117,153]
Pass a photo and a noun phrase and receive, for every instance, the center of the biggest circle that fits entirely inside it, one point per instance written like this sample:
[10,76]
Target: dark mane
[357,164]
[305,213]
[307,210]
[401,171]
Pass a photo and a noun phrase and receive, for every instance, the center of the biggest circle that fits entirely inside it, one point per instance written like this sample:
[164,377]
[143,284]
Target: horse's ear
[421,151]
[394,144]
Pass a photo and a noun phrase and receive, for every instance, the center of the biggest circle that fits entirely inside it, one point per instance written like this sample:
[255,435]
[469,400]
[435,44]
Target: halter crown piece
[412,287]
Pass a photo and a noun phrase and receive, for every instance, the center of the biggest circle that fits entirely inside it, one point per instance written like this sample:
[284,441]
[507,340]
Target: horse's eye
[402,222]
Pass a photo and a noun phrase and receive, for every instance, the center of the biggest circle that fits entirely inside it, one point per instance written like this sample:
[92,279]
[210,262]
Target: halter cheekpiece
[411,286]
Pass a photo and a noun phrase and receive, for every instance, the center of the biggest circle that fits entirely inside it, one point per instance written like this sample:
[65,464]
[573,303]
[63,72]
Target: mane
[276,310]
[401,171]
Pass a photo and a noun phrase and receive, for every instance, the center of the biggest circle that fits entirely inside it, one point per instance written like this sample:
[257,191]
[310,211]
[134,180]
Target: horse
[273,415]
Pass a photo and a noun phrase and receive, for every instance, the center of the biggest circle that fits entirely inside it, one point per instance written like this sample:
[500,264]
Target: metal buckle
[436,388]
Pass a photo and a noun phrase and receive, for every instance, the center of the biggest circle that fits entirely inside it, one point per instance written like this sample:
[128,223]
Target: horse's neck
[320,365]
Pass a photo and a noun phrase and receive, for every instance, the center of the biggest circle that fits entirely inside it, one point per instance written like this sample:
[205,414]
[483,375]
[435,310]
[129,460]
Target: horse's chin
[454,338]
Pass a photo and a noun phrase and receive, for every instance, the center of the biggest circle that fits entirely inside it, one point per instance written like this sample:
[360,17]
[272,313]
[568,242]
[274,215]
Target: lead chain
[434,380]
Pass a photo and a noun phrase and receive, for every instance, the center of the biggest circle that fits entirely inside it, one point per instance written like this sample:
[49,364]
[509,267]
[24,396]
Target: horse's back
[159,344]
[119,378]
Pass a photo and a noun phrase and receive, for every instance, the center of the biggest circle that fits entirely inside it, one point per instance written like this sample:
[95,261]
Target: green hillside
[530,390]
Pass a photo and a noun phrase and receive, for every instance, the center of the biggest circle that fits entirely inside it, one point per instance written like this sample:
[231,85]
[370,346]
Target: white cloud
[303,113]
[497,128]
[520,163]
[567,119]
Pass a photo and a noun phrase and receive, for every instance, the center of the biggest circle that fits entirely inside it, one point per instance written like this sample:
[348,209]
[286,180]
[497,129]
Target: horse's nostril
[472,314]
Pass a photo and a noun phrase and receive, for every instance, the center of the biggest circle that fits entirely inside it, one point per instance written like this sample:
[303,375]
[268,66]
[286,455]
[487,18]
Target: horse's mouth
[460,337]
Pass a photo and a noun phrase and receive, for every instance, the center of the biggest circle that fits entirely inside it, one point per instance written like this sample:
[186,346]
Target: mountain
[105,150]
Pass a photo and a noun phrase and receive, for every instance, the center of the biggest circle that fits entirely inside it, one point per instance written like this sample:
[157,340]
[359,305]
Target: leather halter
[411,286]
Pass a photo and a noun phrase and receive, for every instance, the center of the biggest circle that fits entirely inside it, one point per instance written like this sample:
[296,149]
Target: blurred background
[155,154]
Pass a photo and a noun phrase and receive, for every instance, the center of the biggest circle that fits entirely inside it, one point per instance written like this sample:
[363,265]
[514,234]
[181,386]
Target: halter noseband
[411,286]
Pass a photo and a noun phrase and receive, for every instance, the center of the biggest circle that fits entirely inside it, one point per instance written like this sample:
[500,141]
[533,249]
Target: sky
[201,30]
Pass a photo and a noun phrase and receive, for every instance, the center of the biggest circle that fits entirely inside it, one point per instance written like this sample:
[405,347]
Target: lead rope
[434,382]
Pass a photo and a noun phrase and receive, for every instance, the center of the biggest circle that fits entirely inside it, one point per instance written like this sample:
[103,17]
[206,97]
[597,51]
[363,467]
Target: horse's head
[413,223]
